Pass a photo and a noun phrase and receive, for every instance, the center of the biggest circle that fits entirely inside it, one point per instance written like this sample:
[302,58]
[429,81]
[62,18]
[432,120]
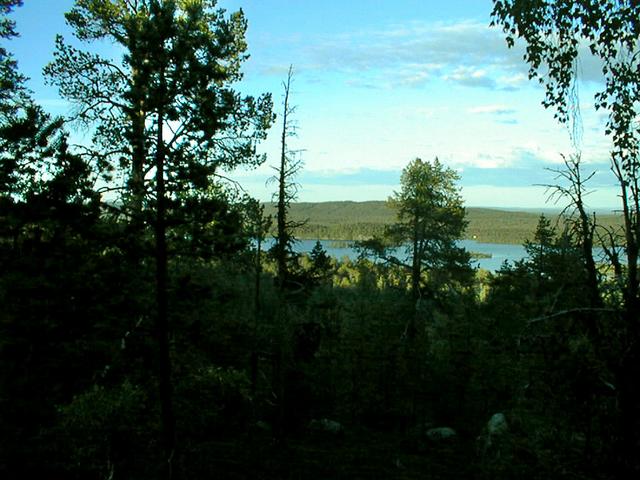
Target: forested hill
[359,220]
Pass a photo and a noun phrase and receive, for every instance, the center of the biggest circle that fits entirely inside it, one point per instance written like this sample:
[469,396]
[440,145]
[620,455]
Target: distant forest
[362,220]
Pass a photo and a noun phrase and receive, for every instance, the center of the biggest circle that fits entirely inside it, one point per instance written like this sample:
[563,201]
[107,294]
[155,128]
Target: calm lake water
[499,252]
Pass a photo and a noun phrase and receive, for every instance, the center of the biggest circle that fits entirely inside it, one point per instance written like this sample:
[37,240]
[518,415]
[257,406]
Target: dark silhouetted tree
[170,110]
[556,35]
[431,218]
[288,166]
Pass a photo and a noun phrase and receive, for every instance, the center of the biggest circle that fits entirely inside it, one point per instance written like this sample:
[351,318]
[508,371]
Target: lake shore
[490,256]
[362,220]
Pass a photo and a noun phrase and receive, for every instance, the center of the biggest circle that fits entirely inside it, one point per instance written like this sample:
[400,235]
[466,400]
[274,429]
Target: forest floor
[352,456]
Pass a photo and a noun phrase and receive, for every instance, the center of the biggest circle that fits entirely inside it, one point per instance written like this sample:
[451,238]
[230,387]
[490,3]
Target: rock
[497,425]
[490,444]
[324,425]
[441,433]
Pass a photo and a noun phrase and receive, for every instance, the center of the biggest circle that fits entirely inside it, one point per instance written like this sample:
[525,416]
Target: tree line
[364,220]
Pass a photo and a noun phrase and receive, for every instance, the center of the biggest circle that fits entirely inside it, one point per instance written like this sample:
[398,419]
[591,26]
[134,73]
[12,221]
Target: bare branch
[569,312]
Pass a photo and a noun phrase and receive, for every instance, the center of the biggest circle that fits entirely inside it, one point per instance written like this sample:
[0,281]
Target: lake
[499,252]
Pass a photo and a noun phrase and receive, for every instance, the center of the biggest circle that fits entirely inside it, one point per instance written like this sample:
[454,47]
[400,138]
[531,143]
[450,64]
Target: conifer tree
[166,113]
[430,218]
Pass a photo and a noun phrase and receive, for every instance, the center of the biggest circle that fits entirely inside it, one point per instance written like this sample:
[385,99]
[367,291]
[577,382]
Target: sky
[378,83]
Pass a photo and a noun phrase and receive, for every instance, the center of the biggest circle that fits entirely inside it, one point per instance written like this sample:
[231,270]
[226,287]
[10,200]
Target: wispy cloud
[496,109]
[467,53]
[512,81]
[470,77]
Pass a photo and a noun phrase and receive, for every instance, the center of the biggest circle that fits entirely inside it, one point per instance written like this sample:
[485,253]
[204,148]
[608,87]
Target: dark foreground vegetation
[252,370]
[153,338]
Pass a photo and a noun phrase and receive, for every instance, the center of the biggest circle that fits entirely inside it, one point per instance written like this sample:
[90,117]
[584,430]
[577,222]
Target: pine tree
[169,105]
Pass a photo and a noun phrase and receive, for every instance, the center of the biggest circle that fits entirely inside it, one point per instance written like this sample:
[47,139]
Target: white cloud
[497,109]
[492,196]
[470,77]
[447,46]
[513,81]
[484,129]
[467,52]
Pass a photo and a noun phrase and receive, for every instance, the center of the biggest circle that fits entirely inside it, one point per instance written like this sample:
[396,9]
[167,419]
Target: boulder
[497,425]
[492,441]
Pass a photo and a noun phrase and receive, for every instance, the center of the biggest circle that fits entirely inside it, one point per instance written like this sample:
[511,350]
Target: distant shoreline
[350,221]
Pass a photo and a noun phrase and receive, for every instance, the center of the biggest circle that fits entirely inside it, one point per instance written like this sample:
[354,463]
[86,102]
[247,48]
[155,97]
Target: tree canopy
[430,219]
[180,59]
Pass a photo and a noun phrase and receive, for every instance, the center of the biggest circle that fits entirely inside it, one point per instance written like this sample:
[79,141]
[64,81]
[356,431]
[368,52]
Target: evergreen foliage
[363,220]
[355,374]
[430,218]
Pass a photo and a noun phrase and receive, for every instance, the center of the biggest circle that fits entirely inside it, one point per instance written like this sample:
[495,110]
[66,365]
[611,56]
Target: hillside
[358,220]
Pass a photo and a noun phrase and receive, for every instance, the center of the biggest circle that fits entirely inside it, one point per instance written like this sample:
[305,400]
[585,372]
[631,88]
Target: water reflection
[499,252]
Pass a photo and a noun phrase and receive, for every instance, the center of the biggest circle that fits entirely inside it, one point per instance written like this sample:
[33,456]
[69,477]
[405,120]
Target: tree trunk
[628,371]
[162,319]
[415,261]
[629,405]
[257,308]
[137,163]
[281,246]
[137,118]
[593,291]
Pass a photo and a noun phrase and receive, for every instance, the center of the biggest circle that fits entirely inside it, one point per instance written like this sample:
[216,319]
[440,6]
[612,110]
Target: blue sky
[380,82]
